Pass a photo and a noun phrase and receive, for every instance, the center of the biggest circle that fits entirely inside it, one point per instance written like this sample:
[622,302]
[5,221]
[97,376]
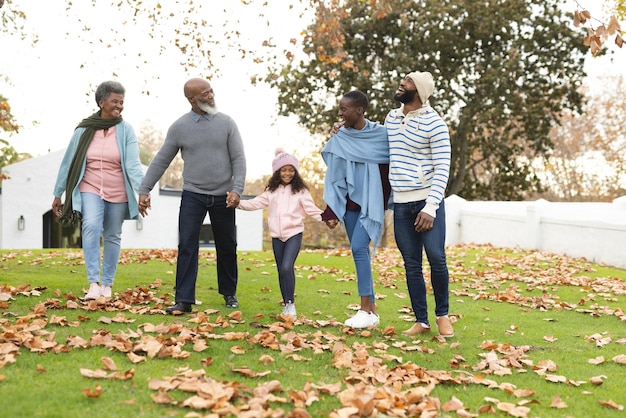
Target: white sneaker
[94,292]
[105,291]
[290,309]
[362,319]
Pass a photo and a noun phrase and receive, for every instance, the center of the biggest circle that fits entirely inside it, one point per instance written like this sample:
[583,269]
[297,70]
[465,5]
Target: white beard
[211,110]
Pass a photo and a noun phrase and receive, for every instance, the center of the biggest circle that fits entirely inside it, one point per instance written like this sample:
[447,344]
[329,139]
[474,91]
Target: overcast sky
[48,94]
[48,91]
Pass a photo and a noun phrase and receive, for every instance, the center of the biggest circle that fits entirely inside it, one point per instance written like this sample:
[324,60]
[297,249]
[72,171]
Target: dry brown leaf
[597,380]
[620,358]
[92,393]
[596,361]
[611,405]
[557,403]
[555,378]
[109,364]
[453,404]
[514,410]
[134,358]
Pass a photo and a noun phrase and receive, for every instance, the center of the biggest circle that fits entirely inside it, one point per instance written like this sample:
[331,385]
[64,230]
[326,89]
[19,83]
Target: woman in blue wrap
[356,190]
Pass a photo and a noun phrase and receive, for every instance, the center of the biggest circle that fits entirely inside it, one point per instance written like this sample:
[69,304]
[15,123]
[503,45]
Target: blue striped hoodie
[419,156]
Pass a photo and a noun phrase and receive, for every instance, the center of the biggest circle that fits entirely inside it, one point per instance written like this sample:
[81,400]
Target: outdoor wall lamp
[139,224]
[21,223]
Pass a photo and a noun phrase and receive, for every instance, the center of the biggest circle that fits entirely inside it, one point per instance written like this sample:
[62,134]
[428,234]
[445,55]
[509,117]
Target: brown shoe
[418,328]
[445,327]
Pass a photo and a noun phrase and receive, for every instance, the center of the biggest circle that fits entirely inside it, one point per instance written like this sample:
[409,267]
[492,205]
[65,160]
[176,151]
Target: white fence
[595,231]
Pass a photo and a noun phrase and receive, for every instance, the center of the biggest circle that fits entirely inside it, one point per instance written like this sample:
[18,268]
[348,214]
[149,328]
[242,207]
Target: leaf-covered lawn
[536,334]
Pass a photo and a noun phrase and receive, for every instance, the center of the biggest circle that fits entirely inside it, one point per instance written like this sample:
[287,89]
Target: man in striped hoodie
[419,166]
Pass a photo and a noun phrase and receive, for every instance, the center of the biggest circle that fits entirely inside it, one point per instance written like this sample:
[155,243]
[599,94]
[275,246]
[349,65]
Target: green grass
[531,307]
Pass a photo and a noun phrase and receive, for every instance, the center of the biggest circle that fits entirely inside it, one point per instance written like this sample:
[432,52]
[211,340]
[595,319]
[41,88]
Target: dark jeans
[285,254]
[193,209]
[411,244]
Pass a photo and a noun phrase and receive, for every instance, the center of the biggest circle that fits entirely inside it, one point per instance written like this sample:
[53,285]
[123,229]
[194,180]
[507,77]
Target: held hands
[232,200]
[423,222]
[144,204]
[332,223]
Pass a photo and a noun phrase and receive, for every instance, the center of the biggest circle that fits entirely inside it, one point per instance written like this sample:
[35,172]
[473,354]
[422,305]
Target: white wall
[595,231]
[28,193]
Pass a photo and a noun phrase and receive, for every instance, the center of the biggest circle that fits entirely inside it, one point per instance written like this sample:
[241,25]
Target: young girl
[288,200]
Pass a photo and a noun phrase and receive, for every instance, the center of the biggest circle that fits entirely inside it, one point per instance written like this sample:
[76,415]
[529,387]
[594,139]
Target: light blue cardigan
[131,167]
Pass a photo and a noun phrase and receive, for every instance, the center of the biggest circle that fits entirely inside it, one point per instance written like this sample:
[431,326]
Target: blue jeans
[285,254]
[360,246]
[101,218]
[411,243]
[193,210]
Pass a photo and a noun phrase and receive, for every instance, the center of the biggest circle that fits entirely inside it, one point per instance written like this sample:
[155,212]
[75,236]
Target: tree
[598,32]
[150,140]
[8,154]
[504,71]
[588,162]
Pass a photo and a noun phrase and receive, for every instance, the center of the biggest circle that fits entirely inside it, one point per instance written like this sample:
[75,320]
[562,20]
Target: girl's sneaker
[290,309]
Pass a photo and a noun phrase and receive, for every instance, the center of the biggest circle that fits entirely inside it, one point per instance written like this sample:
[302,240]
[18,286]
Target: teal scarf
[70,217]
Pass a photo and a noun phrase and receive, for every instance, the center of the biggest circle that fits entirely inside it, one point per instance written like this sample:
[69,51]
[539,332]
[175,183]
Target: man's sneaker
[445,327]
[290,309]
[418,328]
[362,319]
[94,292]
[231,301]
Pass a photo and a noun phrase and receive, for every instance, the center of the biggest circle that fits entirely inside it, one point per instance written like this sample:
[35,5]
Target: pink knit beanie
[282,159]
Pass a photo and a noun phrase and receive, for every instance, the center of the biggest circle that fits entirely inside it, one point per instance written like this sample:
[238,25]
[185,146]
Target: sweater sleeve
[64,168]
[159,164]
[328,214]
[237,159]
[309,206]
[259,202]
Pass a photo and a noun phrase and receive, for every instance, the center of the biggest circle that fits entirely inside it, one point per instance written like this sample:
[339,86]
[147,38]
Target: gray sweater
[212,152]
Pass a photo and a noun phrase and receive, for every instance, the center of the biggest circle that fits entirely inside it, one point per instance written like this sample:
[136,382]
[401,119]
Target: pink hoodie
[286,211]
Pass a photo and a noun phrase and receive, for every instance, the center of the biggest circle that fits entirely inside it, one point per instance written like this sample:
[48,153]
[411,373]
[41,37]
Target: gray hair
[106,88]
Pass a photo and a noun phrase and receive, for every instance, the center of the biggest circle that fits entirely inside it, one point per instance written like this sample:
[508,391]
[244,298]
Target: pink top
[286,211]
[103,172]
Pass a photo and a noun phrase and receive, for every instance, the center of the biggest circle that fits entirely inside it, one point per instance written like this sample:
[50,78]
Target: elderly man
[213,179]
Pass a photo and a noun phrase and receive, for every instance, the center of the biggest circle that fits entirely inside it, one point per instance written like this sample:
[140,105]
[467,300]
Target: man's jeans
[411,243]
[193,209]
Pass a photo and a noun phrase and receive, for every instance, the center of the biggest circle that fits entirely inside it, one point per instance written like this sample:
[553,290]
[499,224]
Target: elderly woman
[100,175]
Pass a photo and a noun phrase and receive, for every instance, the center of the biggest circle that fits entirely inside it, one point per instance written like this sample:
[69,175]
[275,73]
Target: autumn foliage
[599,34]
[378,371]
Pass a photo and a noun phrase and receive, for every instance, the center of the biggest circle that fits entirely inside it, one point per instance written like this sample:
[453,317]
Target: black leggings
[285,254]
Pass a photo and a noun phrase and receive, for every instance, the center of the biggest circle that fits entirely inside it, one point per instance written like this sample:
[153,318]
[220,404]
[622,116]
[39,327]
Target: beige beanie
[423,83]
